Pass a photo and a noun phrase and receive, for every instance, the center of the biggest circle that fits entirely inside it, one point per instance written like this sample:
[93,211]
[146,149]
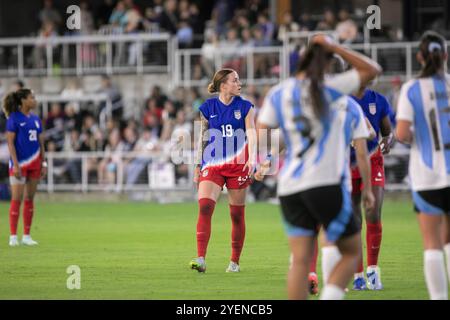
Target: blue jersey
[27,130]
[375,108]
[227,139]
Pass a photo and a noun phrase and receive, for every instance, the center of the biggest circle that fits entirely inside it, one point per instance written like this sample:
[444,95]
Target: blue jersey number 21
[32,135]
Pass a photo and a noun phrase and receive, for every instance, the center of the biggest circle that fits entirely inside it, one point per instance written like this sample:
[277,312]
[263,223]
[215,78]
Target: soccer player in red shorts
[26,164]
[226,156]
[377,110]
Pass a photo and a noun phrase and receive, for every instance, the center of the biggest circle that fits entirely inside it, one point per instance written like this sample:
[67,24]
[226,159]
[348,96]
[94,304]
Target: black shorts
[329,206]
[432,202]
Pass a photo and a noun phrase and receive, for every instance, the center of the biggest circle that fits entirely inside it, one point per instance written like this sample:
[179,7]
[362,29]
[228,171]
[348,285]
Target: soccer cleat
[233,267]
[198,264]
[13,242]
[26,240]
[313,283]
[374,278]
[359,284]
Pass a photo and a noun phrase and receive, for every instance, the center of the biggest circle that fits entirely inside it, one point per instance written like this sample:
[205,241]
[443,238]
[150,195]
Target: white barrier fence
[153,171]
[85,55]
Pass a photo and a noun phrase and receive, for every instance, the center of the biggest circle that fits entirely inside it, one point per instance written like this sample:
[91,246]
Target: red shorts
[229,174]
[377,172]
[26,173]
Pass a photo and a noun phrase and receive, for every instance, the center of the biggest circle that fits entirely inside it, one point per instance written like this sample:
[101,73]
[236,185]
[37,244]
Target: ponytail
[313,64]
[432,47]
[13,100]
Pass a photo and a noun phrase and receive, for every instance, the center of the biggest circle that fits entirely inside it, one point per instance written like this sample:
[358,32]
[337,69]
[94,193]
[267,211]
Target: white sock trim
[332,292]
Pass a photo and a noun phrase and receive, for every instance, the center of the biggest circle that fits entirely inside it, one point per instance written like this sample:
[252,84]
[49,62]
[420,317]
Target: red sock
[14,211]
[373,238]
[28,210]
[312,266]
[237,231]
[206,209]
[360,264]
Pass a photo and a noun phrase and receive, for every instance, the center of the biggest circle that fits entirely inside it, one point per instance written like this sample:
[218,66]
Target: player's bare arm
[11,136]
[252,140]
[202,143]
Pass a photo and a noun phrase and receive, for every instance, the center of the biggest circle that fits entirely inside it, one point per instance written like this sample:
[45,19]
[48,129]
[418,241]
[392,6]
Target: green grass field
[142,250]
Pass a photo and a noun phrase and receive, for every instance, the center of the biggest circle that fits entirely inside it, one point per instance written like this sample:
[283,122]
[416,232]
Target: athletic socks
[206,209]
[435,278]
[330,257]
[373,240]
[14,211]
[237,214]
[332,292]
[28,208]
[447,253]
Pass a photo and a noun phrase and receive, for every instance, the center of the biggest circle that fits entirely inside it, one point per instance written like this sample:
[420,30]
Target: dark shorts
[329,206]
[432,202]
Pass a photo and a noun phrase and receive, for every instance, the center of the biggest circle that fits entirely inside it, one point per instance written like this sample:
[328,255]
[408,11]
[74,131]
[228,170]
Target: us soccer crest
[237,114]
[37,123]
[372,108]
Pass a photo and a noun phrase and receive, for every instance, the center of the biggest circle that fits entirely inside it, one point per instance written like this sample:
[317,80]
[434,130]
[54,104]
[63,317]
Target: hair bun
[211,88]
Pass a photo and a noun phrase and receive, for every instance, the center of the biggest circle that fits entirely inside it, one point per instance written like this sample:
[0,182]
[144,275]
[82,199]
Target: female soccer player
[26,164]
[423,120]
[226,155]
[377,110]
[313,184]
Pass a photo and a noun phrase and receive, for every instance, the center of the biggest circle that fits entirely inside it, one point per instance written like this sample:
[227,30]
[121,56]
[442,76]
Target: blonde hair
[219,78]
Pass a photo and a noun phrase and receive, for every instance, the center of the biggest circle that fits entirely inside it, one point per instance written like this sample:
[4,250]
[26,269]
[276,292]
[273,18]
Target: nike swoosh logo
[213,116]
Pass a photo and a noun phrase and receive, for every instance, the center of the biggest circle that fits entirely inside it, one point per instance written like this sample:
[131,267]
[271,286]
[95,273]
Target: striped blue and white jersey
[425,103]
[317,150]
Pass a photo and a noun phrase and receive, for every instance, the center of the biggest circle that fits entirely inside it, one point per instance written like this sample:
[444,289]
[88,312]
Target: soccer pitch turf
[142,251]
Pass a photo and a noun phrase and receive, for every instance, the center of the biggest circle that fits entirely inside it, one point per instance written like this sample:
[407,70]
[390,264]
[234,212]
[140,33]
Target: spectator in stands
[185,34]
[117,17]
[168,19]
[229,49]
[287,25]
[50,14]
[209,49]
[159,96]
[328,22]
[17,85]
[46,32]
[136,167]
[254,7]
[168,120]
[196,99]
[107,168]
[103,13]
[54,126]
[346,29]
[152,117]
[114,96]
[306,23]
[267,27]
[194,19]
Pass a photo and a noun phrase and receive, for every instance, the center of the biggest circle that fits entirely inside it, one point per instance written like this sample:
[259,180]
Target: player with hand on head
[317,132]
[423,120]
[27,159]
[226,156]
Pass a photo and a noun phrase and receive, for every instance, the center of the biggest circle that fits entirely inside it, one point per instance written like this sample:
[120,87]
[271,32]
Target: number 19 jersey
[27,130]
[227,142]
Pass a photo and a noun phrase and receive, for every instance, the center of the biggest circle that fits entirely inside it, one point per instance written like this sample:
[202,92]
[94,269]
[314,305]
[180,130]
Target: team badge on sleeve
[237,114]
[205,173]
[372,108]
